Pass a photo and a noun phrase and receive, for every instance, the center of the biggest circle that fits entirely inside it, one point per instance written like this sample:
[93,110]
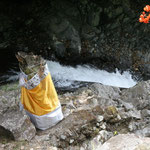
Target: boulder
[126,142]
[138,95]
[12,121]
[18,125]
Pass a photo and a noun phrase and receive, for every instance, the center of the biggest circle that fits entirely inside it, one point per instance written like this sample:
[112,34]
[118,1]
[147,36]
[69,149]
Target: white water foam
[65,76]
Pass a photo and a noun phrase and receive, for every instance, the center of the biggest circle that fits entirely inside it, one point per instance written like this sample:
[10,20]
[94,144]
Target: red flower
[145,17]
[147,8]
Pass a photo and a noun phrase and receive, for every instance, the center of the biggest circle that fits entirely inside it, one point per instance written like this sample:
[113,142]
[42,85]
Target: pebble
[100,118]
[104,134]
[118,117]
[94,101]
[71,141]
[103,126]
[94,128]
[97,124]
[63,137]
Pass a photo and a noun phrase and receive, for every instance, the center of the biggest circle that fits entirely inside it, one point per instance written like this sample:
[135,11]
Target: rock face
[138,96]
[93,115]
[107,34]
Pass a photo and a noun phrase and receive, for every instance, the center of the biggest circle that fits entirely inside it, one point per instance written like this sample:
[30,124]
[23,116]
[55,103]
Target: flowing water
[67,76]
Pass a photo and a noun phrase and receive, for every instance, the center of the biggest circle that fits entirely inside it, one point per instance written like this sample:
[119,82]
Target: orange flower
[145,16]
[141,16]
[146,20]
[141,20]
[148,17]
[147,8]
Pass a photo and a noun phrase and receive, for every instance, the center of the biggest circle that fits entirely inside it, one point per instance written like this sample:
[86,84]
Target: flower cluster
[145,16]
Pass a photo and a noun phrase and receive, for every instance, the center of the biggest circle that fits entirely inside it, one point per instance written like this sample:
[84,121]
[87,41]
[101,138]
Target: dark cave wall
[106,33]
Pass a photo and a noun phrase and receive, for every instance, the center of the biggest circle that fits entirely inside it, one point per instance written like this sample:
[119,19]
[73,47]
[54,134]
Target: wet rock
[110,40]
[18,125]
[94,16]
[65,38]
[60,49]
[105,92]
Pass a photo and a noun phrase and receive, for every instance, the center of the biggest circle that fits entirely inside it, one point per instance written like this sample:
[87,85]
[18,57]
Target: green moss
[9,87]
[111,110]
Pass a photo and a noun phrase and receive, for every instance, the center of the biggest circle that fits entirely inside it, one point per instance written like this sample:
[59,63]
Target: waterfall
[66,76]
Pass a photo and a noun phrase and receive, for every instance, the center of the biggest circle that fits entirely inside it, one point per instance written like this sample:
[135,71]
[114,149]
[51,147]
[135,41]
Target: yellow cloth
[42,99]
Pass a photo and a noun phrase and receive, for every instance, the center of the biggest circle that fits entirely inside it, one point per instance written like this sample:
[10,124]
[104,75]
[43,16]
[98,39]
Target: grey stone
[145,132]
[60,49]
[103,126]
[137,95]
[133,126]
[84,119]
[63,137]
[71,141]
[94,17]
[104,135]
[135,114]
[126,142]
[18,125]
[100,118]
[145,113]
[104,91]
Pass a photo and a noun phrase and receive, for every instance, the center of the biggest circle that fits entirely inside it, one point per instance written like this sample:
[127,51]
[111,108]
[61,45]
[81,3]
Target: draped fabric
[41,99]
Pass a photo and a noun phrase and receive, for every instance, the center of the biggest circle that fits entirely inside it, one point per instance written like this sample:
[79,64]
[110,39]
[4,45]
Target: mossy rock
[111,110]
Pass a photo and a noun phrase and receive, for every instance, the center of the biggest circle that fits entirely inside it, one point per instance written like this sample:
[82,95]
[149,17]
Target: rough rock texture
[105,33]
[13,123]
[93,115]
[17,124]
[126,142]
[139,95]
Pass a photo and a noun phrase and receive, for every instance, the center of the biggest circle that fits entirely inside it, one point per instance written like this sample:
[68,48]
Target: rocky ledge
[97,117]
